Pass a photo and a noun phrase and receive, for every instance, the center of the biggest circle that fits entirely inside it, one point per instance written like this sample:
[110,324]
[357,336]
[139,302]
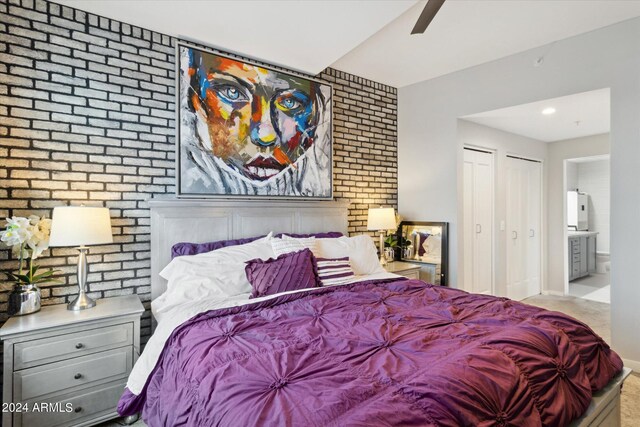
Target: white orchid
[18,231]
[40,230]
[28,238]
[15,251]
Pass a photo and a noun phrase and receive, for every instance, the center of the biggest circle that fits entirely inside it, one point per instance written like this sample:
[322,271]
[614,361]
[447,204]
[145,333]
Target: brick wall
[365,144]
[87,116]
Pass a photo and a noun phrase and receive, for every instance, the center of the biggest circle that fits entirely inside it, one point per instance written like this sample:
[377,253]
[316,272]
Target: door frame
[565,209]
[494,156]
[543,192]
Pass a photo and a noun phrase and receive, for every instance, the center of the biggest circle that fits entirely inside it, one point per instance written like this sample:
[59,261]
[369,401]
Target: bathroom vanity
[582,253]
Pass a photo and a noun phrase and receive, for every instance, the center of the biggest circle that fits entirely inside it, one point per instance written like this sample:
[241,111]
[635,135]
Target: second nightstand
[75,361]
[406,269]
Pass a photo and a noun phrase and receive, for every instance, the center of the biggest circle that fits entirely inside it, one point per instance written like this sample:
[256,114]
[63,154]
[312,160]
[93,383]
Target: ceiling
[466,33]
[590,109]
[369,38]
[304,35]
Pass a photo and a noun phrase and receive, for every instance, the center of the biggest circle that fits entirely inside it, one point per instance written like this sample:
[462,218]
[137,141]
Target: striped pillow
[288,244]
[334,271]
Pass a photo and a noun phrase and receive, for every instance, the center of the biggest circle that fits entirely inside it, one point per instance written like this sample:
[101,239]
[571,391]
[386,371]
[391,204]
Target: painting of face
[249,130]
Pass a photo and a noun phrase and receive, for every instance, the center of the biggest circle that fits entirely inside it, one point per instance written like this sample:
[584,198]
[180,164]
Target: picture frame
[248,130]
[429,245]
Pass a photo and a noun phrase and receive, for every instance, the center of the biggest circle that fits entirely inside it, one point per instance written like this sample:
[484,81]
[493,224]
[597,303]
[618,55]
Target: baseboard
[633,364]
[554,293]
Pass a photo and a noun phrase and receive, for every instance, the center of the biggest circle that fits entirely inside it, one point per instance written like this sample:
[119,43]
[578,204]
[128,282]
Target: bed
[382,350]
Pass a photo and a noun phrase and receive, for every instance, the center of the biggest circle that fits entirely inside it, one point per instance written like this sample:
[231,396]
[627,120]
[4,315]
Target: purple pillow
[327,235]
[288,272]
[180,249]
[423,238]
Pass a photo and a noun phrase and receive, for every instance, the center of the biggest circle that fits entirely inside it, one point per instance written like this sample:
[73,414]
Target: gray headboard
[199,221]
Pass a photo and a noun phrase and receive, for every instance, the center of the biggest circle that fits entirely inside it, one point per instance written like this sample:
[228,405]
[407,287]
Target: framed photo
[245,130]
[426,243]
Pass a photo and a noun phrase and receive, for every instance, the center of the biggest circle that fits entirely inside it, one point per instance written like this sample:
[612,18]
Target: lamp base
[383,260]
[82,302]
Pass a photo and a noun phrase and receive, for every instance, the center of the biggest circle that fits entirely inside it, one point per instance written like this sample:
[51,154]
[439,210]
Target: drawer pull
[77,376]
[79,345]
[78,409]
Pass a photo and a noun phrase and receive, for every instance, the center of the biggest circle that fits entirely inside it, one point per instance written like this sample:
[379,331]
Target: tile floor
[595,287]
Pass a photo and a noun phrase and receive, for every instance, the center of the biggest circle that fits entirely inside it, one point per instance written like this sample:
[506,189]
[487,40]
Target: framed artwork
[426,243]
[250,131]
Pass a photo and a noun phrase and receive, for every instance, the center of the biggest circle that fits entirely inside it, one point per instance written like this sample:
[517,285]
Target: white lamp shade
[381,219]
[80,226]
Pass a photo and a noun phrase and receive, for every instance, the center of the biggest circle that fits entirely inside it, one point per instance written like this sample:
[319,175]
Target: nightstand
[77,362]
[406,269]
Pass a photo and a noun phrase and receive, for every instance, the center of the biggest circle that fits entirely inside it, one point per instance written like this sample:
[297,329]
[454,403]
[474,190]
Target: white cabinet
[406,269]
[79,361]
[582,254]
[478,221]
[524,223]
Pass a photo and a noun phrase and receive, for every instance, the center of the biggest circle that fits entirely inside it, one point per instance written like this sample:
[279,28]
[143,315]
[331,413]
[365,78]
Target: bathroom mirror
[425,243]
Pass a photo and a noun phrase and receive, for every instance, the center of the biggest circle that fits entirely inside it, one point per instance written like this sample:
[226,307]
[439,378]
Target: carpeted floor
[595,314]
[598,316]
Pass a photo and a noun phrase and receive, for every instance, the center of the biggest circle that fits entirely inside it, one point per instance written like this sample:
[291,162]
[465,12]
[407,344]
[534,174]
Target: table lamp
[80,226]
[381,219]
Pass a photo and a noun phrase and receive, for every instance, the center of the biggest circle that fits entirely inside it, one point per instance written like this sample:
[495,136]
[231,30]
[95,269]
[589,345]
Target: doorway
[587,219]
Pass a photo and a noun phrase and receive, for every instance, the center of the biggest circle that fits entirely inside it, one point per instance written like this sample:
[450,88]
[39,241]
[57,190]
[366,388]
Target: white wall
[559,152]
[571,169]
[430,155]
[593,179]
[503,144]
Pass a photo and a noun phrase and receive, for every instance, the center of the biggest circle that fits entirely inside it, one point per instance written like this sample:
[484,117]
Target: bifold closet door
[478,221]
[524,202]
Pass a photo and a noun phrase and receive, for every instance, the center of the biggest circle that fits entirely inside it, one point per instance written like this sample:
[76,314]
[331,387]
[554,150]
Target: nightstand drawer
[411,274]
[87,403]
[56,377]
[37,352]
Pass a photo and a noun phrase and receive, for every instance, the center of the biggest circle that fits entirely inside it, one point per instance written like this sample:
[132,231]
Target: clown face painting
[247,130]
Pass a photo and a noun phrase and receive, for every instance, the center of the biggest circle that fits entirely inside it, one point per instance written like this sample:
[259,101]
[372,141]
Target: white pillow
[193,282]
[260,248]
[361,251]
[433,246]
[289,244]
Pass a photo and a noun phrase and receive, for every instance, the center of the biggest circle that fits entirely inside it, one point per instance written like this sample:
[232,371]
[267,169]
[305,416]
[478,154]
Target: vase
[407,252]
[24,299]
[389,254]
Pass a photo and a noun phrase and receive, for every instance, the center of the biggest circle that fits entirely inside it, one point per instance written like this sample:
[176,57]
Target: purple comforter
[398,353]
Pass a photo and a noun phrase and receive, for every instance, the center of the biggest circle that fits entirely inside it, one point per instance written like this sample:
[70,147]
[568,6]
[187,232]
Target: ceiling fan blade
[431,8]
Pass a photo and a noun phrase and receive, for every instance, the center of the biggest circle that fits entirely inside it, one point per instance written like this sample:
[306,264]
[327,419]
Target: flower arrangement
[28,238]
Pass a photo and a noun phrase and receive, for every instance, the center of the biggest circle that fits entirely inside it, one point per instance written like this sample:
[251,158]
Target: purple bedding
[394,353]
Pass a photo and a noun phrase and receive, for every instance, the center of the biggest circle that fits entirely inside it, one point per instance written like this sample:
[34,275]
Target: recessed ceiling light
[548,110]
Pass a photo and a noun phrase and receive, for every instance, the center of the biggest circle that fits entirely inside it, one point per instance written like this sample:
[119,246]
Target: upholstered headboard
[199,221]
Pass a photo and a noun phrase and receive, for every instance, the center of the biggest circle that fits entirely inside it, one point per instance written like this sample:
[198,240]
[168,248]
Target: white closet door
[478,221]
[516,277]
[468,218]
[524,198]
[534,219]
